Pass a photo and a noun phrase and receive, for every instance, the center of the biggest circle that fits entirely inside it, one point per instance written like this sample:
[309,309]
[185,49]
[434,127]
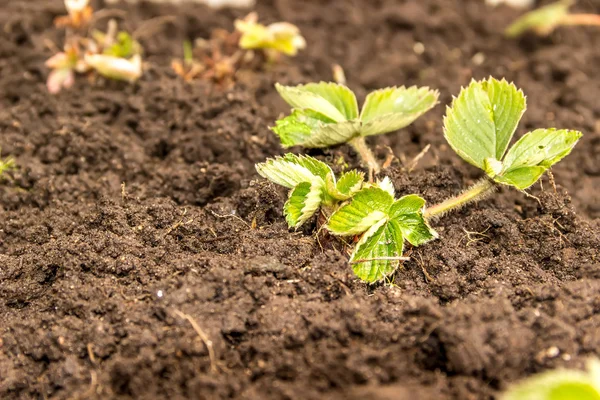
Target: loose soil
[136,225]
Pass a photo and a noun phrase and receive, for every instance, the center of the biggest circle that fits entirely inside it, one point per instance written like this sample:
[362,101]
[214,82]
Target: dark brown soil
[95,277]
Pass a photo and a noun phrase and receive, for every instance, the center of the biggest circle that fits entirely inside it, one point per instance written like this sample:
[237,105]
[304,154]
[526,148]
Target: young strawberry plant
[479,127]
[545,19]
[327,114]
[560,384]
[274,39]
[354,208]
[114,54]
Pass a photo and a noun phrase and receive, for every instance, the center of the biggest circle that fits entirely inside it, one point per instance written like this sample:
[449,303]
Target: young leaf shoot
[326,114]
[384,224]
[560,384]
[545,19]
[479,127]
[312,185]
[280,37]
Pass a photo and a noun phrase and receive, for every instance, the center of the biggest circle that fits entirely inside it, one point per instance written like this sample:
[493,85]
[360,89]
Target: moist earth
[141,256]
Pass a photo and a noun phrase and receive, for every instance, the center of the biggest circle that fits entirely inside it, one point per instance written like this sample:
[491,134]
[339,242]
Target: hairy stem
[479,191]
[580,19]
[360,146]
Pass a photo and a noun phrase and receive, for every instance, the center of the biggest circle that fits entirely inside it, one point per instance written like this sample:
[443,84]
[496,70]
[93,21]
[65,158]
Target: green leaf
[482,120]
[339,95]
[555,385]
[393,108]
[350,182]
[304,200]
[334,101]
[521,178]
[542,21]
[124,47]
[371,257]
[410,204]
[533,154]
[296,128]
[407,212]
[368,207]
[332,134]
[543,147]
[290,170]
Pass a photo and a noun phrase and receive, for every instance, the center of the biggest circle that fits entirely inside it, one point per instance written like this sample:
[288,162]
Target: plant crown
[481,123]
[326,114]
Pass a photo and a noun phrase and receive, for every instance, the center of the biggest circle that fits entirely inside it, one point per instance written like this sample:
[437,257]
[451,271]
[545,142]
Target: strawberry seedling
[560,384]
[327,114]
[545,19]
[274,39]
[355,208]
[114,54]
[479,127]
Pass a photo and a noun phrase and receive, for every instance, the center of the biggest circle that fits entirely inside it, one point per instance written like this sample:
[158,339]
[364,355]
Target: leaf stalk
[580,19]
[479,191]
[359,144]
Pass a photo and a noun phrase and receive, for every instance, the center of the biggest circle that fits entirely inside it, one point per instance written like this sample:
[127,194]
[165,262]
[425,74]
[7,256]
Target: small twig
[205,339]
[389,158]
[90,350]
[230,216]
[418,157]
[552,181]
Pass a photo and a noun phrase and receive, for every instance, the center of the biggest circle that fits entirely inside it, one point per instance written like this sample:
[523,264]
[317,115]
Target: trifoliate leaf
[542,21]
[559,384]
[332,100]
[350,182]
[390,109]
[290,170]
[368,207]
[407,212]
[302,203]
[373,257]
[533,154]
[482,120]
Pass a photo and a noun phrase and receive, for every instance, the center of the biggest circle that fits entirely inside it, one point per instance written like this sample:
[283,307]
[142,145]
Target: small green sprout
[280,37]
[479,127]
[560,384]
[327,114]
[6,164]
[545,19]
[355,208]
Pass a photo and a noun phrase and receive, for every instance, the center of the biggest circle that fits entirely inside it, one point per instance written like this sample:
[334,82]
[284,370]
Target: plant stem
[483,188]
[360,146]
[580,19]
